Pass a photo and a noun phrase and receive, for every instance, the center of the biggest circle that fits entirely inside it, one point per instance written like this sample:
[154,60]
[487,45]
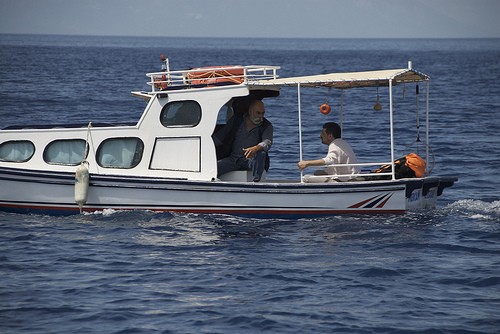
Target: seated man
[249,138]
[339,152]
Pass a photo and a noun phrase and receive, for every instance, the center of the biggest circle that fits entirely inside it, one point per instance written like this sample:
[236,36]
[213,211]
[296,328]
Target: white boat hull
[53,192]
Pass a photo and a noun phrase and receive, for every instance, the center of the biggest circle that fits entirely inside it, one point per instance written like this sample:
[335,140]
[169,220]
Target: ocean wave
[105,212]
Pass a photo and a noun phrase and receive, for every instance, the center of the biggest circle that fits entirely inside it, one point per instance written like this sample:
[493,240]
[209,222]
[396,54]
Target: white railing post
[427,127]
[300,129]
[391,126]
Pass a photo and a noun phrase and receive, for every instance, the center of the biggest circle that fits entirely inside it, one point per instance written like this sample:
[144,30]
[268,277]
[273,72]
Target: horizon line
[244,37]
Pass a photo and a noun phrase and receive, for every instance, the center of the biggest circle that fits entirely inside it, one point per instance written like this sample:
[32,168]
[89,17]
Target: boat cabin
[172,139]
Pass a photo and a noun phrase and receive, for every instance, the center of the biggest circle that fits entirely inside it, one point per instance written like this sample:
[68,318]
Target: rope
[418,117]
[86,152]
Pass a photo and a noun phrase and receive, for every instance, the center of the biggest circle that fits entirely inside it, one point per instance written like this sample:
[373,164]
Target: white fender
[82,184]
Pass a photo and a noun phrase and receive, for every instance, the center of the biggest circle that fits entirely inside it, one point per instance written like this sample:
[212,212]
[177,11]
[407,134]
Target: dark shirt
[261,135]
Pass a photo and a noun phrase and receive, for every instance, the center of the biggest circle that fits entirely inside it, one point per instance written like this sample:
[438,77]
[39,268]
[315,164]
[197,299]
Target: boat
[167,160]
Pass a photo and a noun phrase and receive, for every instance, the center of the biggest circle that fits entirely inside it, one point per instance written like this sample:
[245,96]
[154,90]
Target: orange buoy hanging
[325,109]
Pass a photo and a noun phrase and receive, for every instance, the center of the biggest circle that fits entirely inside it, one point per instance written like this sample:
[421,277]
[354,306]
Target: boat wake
[475,209]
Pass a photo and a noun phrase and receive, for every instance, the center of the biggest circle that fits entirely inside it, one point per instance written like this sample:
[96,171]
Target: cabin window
[16,151]
[225,113]
[177,153]
[181,114]
[120,152]
[65,152]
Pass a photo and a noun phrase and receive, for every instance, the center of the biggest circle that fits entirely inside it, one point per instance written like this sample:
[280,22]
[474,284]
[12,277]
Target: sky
[255,18]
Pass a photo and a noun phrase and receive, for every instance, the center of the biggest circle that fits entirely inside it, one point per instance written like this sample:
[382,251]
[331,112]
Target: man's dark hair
[333,129]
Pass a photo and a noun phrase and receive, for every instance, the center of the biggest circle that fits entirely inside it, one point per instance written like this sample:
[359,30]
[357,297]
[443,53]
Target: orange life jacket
[411,165]
[416,163]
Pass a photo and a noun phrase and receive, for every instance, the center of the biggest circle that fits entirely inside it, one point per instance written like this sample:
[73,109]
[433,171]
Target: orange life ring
[216,74]
[325,109]
[161,84]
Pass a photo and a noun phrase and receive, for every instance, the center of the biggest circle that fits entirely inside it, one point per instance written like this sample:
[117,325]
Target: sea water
[433,271]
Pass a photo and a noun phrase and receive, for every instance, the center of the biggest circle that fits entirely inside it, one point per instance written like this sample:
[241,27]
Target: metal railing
[366,176]
[210,76]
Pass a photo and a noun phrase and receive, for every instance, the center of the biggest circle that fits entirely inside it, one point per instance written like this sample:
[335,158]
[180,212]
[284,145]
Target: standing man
[250,137]
[339,152]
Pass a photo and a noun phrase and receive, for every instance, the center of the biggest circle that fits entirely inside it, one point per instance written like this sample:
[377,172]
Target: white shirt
[340,152]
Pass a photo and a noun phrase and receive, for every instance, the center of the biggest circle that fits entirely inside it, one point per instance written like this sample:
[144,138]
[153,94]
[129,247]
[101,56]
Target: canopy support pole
[341,113]
[427,127]
[300,130]
[391,125]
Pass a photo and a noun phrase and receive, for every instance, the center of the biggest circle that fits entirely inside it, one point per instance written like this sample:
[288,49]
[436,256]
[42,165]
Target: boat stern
[423,193]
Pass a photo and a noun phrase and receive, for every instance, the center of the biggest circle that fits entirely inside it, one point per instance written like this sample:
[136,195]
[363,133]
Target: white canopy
[348,80]
[379,78]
